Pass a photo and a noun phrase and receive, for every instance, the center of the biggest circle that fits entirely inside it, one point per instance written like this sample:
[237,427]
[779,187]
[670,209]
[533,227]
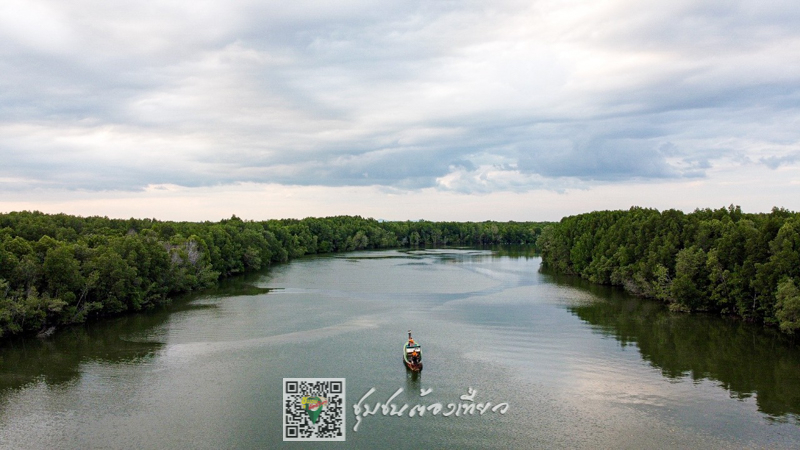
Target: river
[578,366]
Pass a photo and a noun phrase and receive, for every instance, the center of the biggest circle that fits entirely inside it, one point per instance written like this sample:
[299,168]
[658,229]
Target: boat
[412,354]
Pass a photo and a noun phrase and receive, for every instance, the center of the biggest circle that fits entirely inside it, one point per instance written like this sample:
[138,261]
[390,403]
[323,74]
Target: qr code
[313,409]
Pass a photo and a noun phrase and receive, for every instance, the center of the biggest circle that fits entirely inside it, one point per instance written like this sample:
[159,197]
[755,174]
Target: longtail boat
[412,354]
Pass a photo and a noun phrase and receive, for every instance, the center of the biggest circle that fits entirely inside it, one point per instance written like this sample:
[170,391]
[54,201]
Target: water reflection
[488,251]
[57,360]
[212,374]
[747,360]
[514,251]
[412,380]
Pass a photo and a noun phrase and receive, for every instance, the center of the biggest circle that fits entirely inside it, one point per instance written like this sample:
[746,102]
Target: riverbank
[721,261]
[580,365]
[57,270]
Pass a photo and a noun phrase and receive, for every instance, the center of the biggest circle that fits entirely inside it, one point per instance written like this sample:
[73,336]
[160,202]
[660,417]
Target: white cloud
[506,99]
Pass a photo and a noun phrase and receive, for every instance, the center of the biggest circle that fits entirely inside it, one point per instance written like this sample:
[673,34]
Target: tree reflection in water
[746,359]
[57,360]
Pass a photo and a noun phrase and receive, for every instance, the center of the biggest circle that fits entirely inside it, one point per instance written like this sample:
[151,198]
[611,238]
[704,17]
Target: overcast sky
[443,110]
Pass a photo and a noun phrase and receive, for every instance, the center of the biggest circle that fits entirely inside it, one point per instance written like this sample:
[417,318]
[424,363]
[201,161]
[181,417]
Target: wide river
[578,366]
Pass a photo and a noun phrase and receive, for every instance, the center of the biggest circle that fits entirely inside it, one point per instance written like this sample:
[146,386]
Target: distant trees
[464,233]
[60,269]
[722,261]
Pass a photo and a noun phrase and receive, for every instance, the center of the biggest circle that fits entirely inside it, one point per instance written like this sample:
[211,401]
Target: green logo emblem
[313,405]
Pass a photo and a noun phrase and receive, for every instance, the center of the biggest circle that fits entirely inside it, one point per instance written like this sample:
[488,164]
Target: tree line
[721,261]
[58,269]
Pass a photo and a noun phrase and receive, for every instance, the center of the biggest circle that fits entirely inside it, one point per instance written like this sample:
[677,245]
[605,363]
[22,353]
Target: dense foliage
[721,261]
[61,269]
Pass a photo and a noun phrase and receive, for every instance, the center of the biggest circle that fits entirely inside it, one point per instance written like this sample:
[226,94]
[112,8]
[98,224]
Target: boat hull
[414,366]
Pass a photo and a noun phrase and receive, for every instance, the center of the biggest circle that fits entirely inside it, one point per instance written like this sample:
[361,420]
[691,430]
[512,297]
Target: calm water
[579,366]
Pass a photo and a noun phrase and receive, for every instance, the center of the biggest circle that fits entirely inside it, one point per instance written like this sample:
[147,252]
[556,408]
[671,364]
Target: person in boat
[415,357]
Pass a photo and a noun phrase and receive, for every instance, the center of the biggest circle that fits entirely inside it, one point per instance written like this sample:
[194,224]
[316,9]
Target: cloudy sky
[443,110]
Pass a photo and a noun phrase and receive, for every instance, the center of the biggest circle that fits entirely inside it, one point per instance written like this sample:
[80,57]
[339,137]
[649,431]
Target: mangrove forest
[60,269]
[720,261]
